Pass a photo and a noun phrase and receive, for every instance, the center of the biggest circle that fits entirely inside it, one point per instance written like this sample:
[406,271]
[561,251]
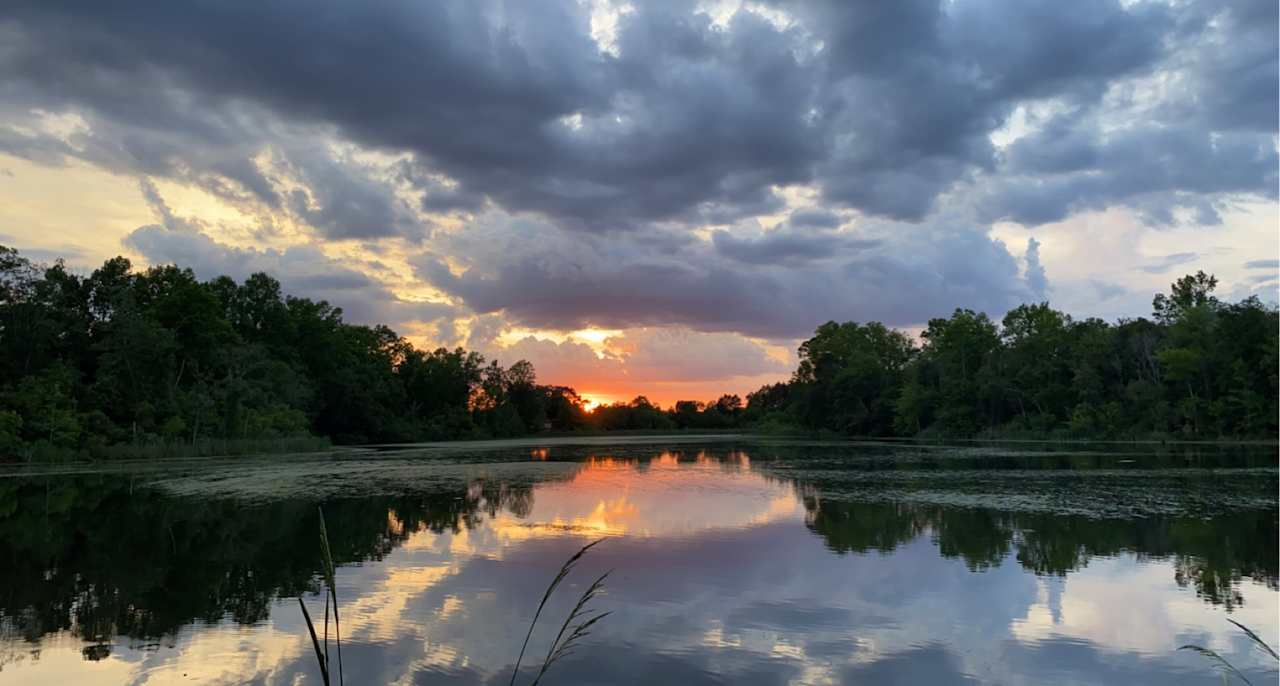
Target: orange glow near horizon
[665,395]
[609,390]
[606,376]
[591,401]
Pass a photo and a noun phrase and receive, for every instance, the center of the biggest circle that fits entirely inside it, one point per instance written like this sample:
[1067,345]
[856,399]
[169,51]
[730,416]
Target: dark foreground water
[734,562]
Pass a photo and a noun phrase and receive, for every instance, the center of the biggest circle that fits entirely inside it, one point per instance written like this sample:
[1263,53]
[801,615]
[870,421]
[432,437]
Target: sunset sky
[651,197]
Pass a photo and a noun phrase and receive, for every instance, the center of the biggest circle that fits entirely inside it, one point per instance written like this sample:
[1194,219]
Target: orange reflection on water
[395,527]
[668,495]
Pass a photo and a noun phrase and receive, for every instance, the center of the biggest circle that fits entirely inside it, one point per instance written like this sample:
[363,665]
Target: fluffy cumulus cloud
[734,172]
[1037,282]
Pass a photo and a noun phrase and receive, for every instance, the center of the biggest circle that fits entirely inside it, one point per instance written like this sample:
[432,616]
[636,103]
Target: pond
[734,561]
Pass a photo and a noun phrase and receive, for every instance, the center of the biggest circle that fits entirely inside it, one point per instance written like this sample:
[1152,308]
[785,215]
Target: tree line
[120,361]
[1200,368]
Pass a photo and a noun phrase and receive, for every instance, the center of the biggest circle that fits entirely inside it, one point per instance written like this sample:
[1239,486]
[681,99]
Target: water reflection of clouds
[1085,606]
[717,580]
[866,613]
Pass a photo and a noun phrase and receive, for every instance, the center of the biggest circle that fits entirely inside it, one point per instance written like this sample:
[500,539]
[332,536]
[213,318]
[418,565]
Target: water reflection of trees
[1211,555]
[95,557]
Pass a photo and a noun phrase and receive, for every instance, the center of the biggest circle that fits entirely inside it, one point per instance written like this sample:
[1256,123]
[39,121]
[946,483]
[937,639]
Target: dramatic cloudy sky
[655,197]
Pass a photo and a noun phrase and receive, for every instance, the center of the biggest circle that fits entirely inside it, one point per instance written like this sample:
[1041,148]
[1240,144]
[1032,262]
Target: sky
[652,197]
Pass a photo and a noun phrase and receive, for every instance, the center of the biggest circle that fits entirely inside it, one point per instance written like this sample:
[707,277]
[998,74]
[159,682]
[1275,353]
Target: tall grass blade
[329,573]
[555,583]
[563,645]
[1256,639]
[315,643]
[337,632]
[1224,666]
[1220,662]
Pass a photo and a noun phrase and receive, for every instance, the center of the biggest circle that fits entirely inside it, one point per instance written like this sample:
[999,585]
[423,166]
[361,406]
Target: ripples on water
[742,563]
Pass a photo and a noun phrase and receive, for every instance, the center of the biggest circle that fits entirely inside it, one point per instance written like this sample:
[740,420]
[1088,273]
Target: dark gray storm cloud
[1055,173]
[542,276]
[885,106]
[365,121]
[815,218]
[343,201]
[1205,129]
[787,246]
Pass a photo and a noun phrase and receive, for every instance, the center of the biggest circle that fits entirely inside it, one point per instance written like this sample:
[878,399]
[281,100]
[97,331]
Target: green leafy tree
[850,376]
[47,407]
[968,395]
[1186,294]
[1037,361]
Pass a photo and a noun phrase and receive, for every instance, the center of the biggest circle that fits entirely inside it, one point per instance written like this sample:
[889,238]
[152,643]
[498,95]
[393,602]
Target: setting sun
[591,401]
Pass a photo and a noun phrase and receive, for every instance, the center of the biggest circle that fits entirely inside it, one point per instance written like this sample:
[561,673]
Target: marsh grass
[575,627]
[330,599]
[1224,666]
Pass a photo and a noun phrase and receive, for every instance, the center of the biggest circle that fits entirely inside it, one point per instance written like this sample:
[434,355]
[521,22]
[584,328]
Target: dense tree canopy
[157,357]
[1201,368]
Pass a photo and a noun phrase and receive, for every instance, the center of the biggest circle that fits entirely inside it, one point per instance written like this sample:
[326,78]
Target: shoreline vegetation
[125,364]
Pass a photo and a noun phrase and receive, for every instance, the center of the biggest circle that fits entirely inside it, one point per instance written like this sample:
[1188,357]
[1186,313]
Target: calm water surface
[735,562]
